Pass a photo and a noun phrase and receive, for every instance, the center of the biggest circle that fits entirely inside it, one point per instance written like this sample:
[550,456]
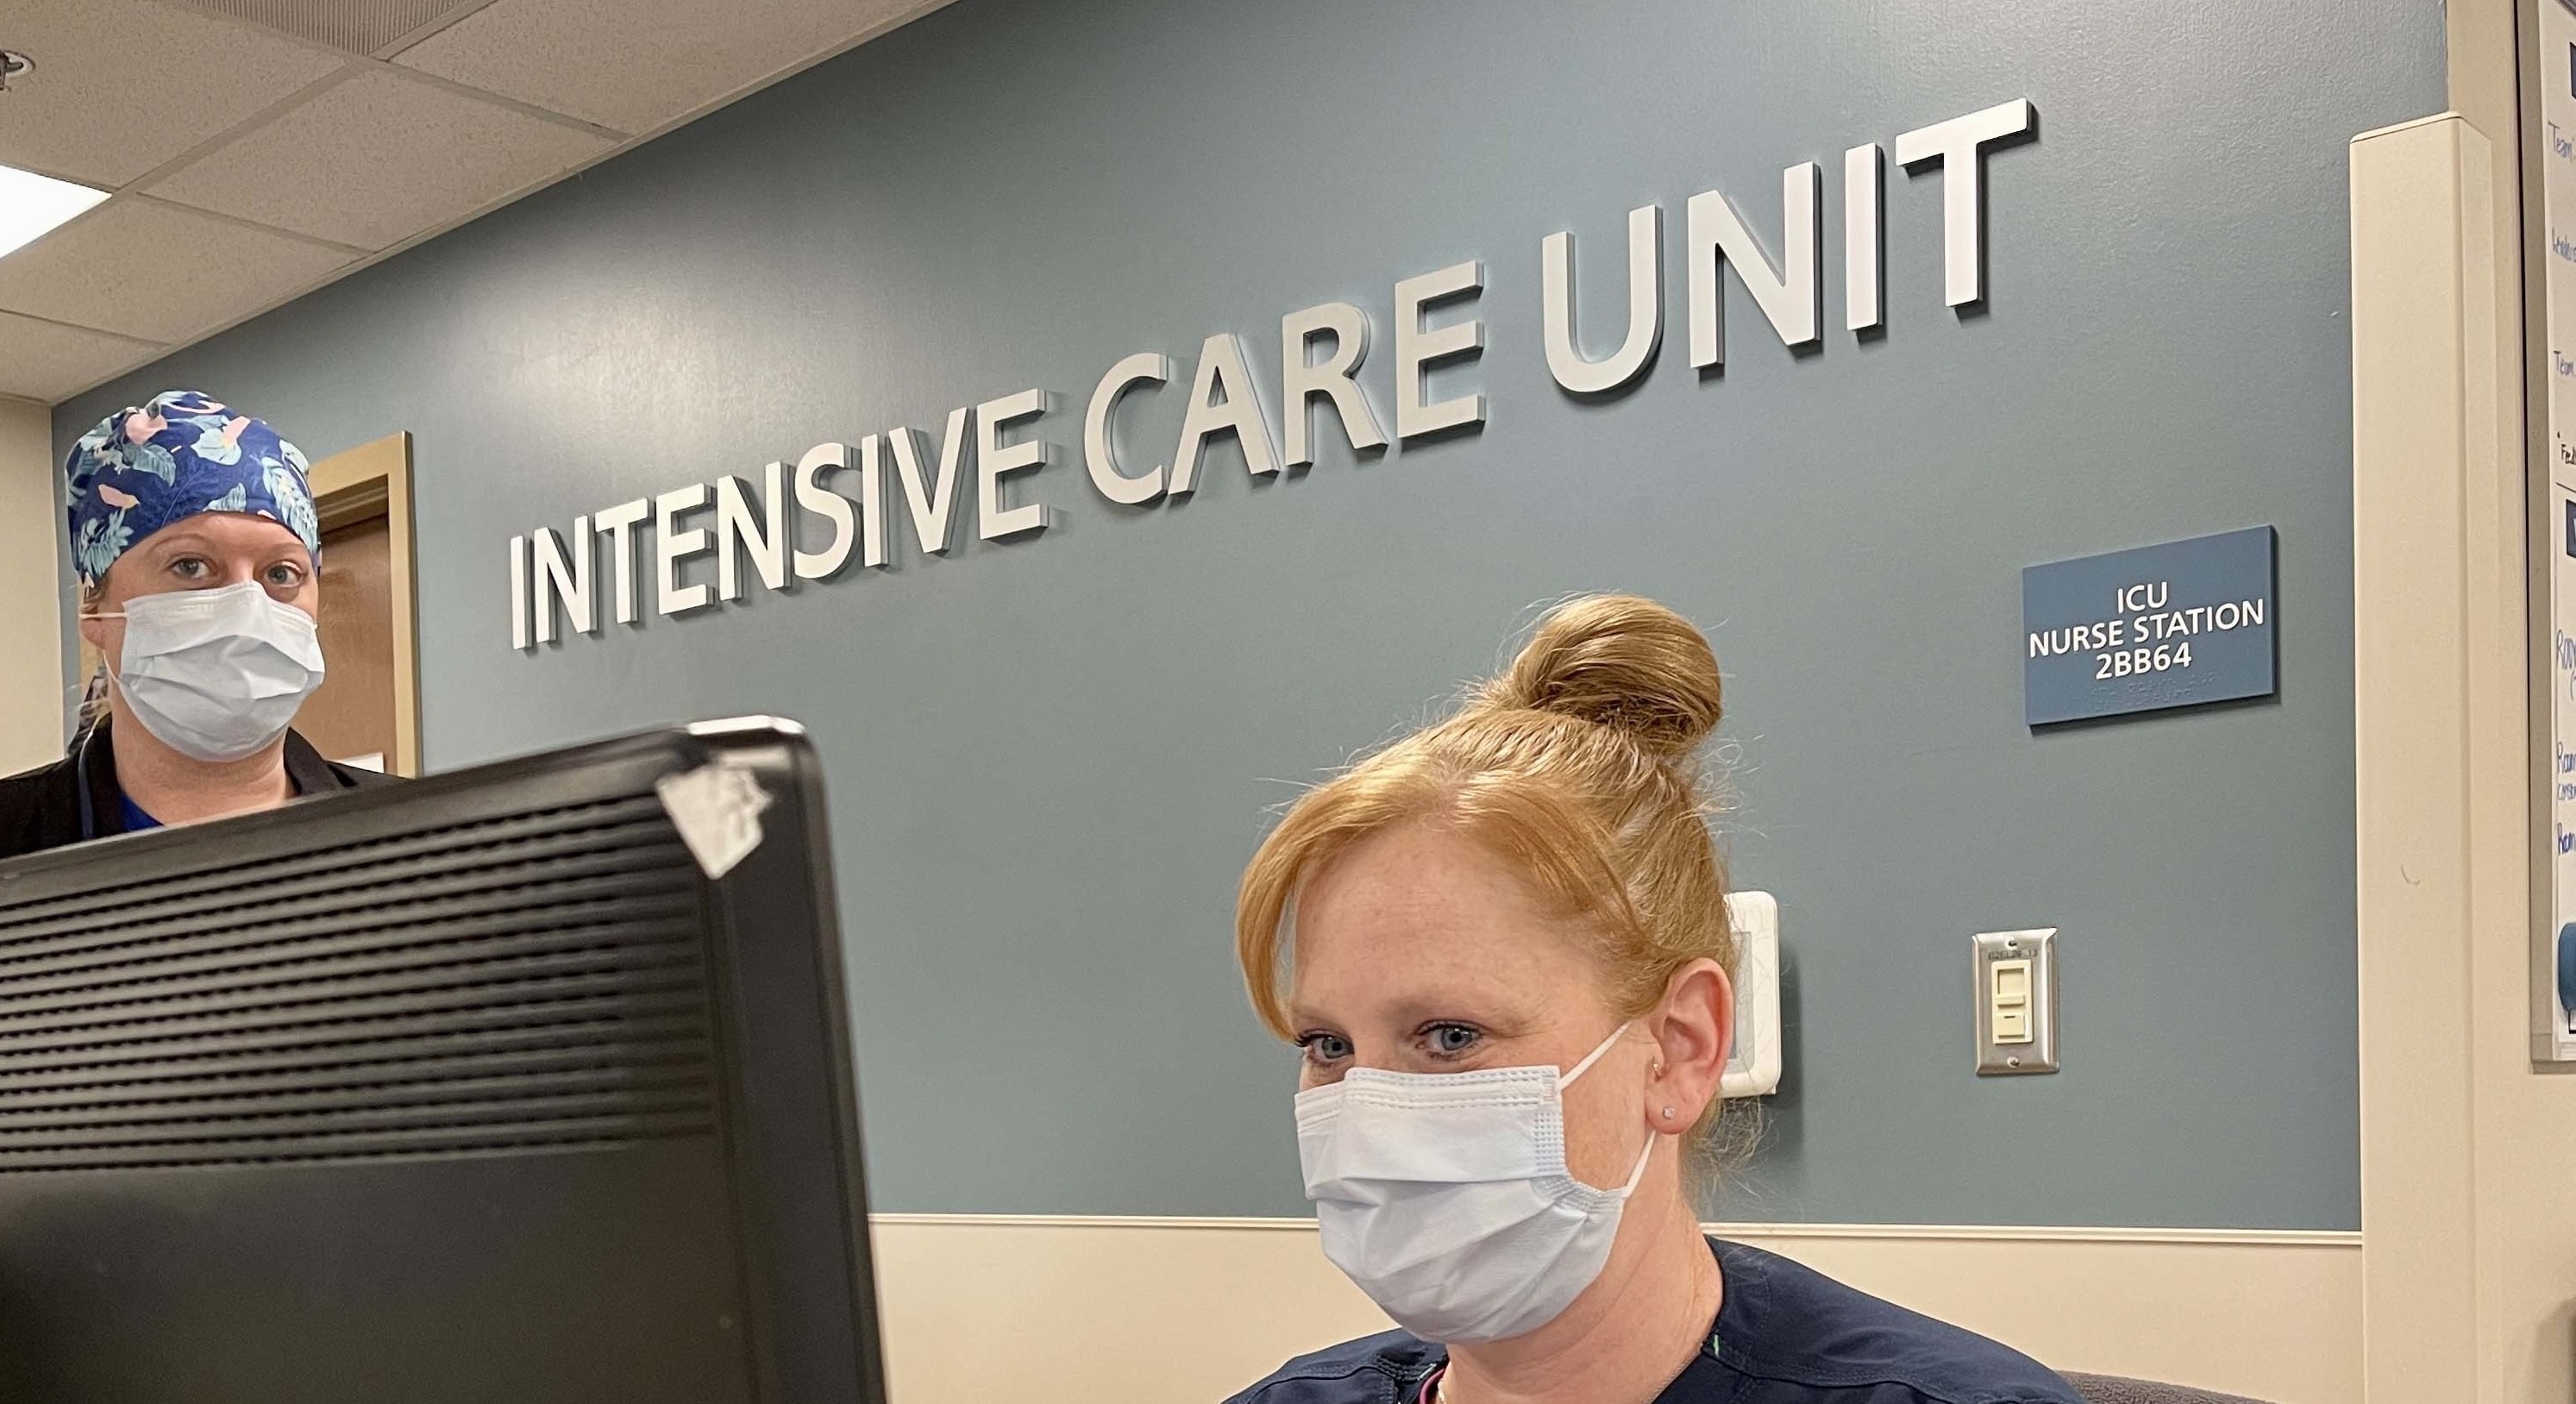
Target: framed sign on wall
[2549,321]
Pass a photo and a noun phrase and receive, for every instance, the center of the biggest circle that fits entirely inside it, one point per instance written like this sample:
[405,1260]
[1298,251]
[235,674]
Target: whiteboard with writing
[2554,966]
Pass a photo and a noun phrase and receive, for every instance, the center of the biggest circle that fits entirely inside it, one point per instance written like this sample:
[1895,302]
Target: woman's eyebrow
[1483,1008]
[175,539]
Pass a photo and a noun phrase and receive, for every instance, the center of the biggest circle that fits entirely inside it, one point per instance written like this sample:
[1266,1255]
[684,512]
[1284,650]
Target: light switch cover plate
[2037,1053]
[1753,1064]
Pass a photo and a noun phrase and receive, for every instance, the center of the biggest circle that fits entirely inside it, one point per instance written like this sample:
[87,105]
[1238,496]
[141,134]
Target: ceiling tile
[149,270]
[360,26]
[45,362]
[377,159]
[121,86]
[634,64]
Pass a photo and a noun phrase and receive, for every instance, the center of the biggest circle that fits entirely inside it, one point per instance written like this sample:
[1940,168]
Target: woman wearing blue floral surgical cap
[193,535]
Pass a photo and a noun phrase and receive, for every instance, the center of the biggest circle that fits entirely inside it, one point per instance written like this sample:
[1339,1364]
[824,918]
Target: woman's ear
[100,598]
[1694,1029]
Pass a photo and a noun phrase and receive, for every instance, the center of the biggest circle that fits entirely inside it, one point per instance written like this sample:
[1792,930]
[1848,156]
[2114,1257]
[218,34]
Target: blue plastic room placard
[2176,625]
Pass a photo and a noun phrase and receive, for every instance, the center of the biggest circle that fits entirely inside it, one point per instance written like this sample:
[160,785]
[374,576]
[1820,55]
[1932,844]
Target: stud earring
[1668,1113]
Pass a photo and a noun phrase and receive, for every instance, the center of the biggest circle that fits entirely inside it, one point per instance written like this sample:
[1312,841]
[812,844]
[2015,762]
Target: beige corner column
[31,627]
[2468,1155]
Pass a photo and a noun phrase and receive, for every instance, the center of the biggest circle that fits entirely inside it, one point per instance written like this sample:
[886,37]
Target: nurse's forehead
[1425,873]
[1382,945]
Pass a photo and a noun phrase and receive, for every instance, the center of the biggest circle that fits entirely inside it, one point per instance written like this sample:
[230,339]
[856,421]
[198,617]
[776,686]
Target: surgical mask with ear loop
[1446,1198]
[216,674]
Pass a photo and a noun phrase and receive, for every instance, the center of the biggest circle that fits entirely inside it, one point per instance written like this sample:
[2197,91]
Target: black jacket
[41,808]
[1784,1334]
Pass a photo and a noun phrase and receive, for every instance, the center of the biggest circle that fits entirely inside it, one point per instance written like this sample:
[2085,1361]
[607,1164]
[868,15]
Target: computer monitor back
[527,1083]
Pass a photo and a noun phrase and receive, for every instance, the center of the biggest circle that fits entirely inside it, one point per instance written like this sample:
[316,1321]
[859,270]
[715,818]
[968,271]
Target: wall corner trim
[2395,128]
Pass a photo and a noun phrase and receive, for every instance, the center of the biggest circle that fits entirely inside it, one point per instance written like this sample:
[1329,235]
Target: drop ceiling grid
[634,65]
[377,159]
[278,189]
[48,362]
[77,117]
[352,26]
[155,272]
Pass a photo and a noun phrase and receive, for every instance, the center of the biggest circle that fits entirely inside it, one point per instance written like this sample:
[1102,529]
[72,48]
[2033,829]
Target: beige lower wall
[1142,1311]
[31,638]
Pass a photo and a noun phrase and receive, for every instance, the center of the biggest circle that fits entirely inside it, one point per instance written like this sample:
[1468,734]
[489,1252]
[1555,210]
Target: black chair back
[2113,1389]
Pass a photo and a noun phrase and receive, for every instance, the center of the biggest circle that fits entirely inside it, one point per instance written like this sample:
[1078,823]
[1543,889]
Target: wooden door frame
[351,486]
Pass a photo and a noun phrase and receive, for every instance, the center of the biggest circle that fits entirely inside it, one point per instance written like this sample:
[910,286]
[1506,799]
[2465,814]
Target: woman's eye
[1450,1040]
[285,577]
[1324,1047]
[191,568]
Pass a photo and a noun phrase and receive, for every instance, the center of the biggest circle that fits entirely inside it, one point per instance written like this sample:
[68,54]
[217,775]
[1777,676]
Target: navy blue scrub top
[1784,1334]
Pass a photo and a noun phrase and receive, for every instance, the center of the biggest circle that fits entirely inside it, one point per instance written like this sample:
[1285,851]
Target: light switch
[2010,980]
[2016,1002]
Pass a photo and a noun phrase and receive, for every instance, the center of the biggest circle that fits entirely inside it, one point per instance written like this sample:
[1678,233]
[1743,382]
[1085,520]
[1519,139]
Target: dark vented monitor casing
[472,1088]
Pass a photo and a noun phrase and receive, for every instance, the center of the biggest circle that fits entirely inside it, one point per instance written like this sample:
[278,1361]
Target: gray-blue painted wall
[1050,758]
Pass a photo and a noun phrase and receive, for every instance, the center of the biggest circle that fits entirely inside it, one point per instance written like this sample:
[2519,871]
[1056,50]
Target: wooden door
[351,717]
[368,708]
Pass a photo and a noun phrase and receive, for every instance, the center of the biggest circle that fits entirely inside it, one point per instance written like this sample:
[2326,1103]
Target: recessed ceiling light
[32,205]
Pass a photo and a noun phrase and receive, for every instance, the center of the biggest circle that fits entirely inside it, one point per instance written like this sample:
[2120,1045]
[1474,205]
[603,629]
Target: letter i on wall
[519,592]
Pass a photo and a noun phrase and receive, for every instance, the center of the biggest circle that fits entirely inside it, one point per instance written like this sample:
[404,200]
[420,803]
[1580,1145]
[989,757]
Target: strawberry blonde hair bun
[1578,765]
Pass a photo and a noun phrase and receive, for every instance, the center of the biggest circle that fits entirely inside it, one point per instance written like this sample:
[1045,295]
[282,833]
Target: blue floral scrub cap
[184,453]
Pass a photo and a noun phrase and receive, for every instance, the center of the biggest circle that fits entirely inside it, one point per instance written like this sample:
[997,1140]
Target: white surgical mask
[216,674]
[1445,1196]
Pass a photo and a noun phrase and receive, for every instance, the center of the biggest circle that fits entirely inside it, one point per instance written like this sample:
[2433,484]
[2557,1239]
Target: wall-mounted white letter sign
[807,523]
